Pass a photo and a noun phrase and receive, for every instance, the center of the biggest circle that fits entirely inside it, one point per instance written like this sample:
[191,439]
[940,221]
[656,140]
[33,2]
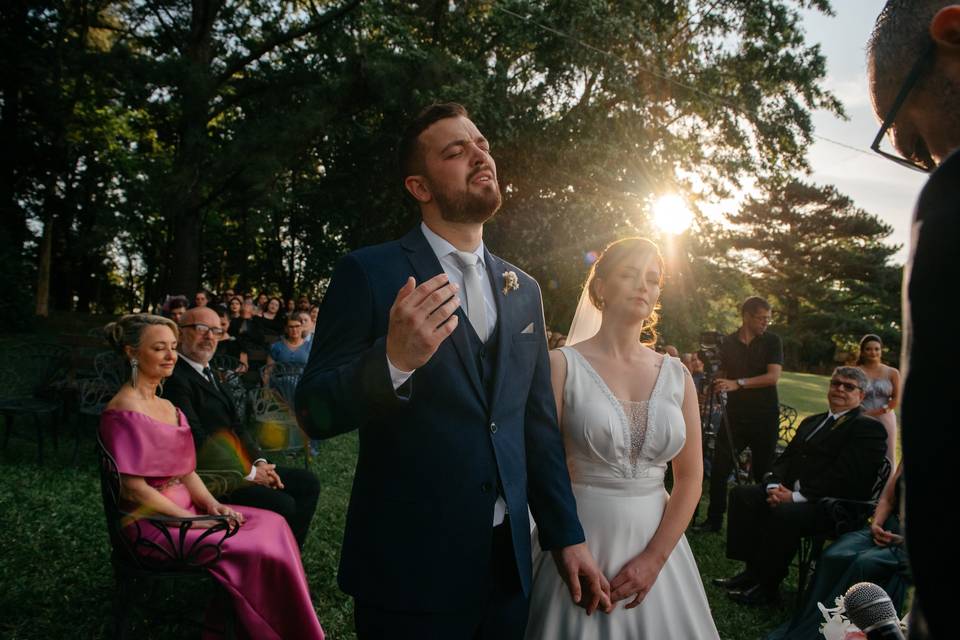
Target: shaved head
[925,33]
[203,315]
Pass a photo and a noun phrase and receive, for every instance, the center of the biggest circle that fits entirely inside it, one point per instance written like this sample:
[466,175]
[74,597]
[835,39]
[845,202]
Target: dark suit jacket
[842,461]
[208,411]
[931,438]
[418,531]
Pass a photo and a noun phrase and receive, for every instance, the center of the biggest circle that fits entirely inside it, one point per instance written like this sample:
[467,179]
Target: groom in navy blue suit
[448,383]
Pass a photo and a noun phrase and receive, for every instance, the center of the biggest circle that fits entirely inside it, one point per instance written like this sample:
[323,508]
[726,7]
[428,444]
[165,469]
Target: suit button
[493,427]
[485,487]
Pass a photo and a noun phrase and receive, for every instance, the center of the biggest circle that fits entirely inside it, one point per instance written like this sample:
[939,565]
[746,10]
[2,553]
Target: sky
[875,184]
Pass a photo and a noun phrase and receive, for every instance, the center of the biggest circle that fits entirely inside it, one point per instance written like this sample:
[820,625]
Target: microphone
[868,606]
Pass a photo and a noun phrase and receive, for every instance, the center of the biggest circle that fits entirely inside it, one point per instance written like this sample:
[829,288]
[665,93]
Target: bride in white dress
[625,411]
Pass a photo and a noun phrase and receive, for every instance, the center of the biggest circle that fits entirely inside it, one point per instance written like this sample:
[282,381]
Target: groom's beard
[467,206]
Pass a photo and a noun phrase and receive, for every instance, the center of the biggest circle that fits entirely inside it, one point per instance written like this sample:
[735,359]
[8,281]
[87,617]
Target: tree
[822,262]
[227,118]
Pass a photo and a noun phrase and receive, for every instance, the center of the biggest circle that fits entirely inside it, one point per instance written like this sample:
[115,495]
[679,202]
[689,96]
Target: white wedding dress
[617,454]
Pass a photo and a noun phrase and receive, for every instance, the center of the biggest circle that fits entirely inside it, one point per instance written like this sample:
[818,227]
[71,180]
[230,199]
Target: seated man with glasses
[225,446]
[836,454]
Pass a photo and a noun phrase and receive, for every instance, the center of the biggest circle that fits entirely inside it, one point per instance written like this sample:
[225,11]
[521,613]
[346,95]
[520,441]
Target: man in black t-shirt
[751,360]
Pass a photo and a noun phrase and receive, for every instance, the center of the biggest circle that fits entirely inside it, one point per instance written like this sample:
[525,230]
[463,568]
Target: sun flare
[671,214]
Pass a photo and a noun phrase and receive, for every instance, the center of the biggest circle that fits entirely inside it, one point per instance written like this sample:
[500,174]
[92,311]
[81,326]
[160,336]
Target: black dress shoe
[739,582]
[756,596]
[707,526]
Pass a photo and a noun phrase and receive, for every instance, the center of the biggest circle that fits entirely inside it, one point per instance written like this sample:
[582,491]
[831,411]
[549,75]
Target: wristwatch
[741,382]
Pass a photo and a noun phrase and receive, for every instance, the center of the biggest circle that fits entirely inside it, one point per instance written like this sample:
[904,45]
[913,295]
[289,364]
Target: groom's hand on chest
[420,319]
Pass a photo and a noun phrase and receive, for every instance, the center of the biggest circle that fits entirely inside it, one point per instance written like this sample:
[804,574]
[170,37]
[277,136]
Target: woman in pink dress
[153,448]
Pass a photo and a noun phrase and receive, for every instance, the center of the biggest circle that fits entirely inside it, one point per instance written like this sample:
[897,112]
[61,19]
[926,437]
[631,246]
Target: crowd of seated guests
[258,329]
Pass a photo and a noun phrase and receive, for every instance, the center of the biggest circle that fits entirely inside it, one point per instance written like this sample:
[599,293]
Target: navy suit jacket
[419,524]
[838,462]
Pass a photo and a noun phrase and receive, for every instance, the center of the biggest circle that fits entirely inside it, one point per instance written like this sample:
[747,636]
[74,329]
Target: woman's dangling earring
[133,372]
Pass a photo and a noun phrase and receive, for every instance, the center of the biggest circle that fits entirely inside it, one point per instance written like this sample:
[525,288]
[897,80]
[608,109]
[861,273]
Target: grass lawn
[805,392]
[55,579]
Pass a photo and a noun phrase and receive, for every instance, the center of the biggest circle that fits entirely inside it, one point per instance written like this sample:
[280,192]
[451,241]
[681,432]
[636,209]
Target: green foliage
[250,144]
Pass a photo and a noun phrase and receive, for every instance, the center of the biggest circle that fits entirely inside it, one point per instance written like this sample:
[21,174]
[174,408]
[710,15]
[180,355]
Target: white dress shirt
[199,369]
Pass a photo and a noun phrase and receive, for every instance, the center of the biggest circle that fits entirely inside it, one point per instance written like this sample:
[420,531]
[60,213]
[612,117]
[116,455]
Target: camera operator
[751,360]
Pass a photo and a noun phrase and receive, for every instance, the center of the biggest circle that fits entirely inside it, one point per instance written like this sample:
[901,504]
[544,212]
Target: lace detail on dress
[636,413]
[633,437]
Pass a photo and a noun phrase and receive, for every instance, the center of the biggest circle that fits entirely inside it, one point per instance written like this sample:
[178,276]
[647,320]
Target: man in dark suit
[914,67]
[448,384]
[837,454]
[225,445]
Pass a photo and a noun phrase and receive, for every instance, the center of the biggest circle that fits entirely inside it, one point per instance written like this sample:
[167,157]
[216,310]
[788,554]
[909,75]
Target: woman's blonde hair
[613,256]
[128,330]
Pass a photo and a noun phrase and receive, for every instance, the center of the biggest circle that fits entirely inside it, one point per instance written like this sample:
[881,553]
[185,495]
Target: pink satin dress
[260,566]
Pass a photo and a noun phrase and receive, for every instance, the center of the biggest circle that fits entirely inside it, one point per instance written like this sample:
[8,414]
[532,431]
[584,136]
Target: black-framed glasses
[203,329]
[849,387]
[925,164]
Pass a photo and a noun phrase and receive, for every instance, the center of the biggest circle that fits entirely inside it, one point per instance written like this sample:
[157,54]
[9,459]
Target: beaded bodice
[608,437]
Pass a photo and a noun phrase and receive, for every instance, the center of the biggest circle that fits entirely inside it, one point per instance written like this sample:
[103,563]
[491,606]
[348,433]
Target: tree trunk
[185,202]
[12,216]
[43,272]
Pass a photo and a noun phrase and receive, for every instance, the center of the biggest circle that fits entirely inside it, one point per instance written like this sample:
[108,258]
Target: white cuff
[798,497]
[253,469]
[398,377]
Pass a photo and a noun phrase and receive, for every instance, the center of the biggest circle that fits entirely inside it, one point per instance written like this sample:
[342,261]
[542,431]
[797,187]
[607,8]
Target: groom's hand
[588,586]
[420,319]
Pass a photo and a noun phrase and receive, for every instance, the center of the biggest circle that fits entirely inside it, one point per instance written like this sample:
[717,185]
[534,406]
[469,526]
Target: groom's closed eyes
[455,148]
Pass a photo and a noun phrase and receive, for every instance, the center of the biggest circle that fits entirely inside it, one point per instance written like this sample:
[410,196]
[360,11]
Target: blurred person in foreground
[914,74]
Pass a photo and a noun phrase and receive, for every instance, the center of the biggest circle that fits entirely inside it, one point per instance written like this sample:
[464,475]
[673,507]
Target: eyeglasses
[925,163]
[294,326]
[203,329]
[849,387]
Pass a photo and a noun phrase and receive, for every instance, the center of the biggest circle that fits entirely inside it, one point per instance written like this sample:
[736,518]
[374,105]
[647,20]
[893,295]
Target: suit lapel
[826,432]
[425,266]
[506,319]
[209,388]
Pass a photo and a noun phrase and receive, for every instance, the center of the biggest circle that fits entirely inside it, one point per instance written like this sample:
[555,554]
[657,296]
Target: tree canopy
[163,145]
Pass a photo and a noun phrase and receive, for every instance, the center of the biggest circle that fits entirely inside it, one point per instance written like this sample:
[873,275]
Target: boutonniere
[510,282]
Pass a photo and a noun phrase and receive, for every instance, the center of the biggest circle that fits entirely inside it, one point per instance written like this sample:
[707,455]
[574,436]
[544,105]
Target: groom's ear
[417,187]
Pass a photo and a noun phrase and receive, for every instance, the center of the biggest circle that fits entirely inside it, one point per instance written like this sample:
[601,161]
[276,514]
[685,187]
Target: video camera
[709,352]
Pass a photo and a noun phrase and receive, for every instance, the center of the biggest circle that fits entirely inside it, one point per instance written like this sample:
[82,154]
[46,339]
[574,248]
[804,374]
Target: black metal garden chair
[141,563]
[28,376]
[788,427]
[112,368]
[847,515]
